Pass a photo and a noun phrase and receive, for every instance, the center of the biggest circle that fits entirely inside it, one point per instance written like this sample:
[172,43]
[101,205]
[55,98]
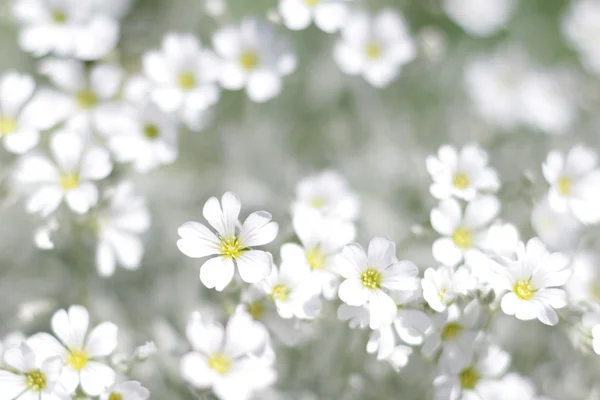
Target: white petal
[295,13]
[445,251]
[223,219]
[243,335]
[102,340]
[97,38]
[194,369]
[254,265]
[481,211]
[206,337]
[82,198]
[45,200]
[105,259]
[217,273]
[263,85]
[352,261]
[382,309]
[128,248]
[106,80]
[446,217]
[96,378]
[401,276]
[258,229]
[197,240]
[35,168]
[547,315]
[95,164]
[71,327]
[15,89]
[67,149]
[330,17]
[11,385]
[348,58]
[353,293]
[21,141]
[381,252]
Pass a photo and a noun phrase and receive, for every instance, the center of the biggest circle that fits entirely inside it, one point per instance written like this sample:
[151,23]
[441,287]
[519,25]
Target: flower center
[7,125]
[77,359]
[463,238]
[451,330]
[248,60]
[115,396]
[256,309]
[186,80]
[469,378]
[524,289]
[280,292]
[316,258]
[86,99]
[231,247]
[564,185]
[151,131]
[460,181]
[312,3]
[35,380]
[59,17]
[317,202]
[371,279]
[69,180]
[220,363]
[373,50]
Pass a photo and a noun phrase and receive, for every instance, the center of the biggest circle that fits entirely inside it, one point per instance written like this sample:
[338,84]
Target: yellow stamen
[59,17]
[186,80]
[524,289]
[451,330]
[280,292]
[151,131]
[312,3]
[248,60]
[256,309]
[115,396]
[77,359]
[564,185]
[318,202]
[231,247]
[69,180]
[463,238]
[86,99]
[461,181]
[468,378]
[373,50]
[371,279]
[220,363]
[35,381]
[316,258]
[7,125]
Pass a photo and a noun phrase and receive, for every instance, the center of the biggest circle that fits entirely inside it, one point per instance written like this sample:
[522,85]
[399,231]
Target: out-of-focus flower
[574,183]
[130,390]
[461,174]
[118,227]
[583,287]
[11,340]
[182,77]
[463,234]
[532,283]
[513,387]
[228,246]
[443,285]
[253,58]
[480,18]
[81,353]
[70,177]
[580,25]
[226,359]
[558,230]
[367,275]
[328,15]
[67,28]
[374,47]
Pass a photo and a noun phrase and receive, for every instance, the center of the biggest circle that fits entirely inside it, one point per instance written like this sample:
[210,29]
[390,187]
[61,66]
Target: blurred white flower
[81,353]
[583,287]
[42,236]
[225,359]
[367,275]
[574,183]
[558,230]
[461,174]
[70,177]
[253,58]
[513,387]
[182,77]
[443,285]
[228,246]
[374,47]
[130,390]
[12,339]
[322,239]
[581,27]
[118,227]
[328,15]
[463,234]
[31,376]
[67,28]
[480,18]
[357,317]
[329,193]
[532,283]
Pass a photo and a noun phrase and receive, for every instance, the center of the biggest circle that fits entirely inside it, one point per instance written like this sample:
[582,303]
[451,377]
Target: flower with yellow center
[35,380]
[280,292]
[230,247]
[8,125]
[220,363]
[151,131]
[461,181]
[69,180]
[524,289]
[249,60]
[564,185]
[452,330]
[371,279]
[186,80]
[468,378]
[86,99]
[317,259]
[463,238]
[373,50]
[77,359]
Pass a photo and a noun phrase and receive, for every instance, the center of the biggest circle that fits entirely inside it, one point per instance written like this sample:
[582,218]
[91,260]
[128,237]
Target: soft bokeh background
[377,138]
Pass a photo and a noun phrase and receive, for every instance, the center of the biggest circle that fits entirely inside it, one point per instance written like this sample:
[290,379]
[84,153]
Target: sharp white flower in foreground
[81,352]
[328,15]
[130,390]
[461,174]
[480,18]
[369,275]
[374,47]
[226,359]
[329,193]
[31,376]
[443,285]
[463,234]
[182,77]
[581,25]
[69,177]
[253,58]
[118,227]
[532,283]
[574,183]
[229,246]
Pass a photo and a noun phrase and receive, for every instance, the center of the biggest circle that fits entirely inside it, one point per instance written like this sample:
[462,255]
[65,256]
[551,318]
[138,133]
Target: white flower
[228,246]
[443,285]
[225,360]
[581,25]
[253,58]
[118,227]
[480,18]
[81,353]
[583,287]
[463,234]
[66,28]
[144,136]
[322,239]
[532,283]
[70,177]
[374,47]
[472,378]
[19,126]
[130,390]
[83,98]
[11,340]
[574,183]
[329,193]
[558,230]
[357,317]
[31,377]
[328,15]
[513,387]
[182,77]
[461,174]
[368,275]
